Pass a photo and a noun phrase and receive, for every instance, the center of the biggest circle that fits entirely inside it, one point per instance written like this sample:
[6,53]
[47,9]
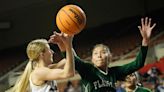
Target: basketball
[71,19]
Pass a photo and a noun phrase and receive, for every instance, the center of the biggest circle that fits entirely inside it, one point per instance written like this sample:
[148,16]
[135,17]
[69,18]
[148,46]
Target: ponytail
[33,51]
[23,81]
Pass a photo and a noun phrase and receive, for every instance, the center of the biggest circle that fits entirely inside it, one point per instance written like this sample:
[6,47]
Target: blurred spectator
[119,86]
[72,88]
[153,74]
[160,87]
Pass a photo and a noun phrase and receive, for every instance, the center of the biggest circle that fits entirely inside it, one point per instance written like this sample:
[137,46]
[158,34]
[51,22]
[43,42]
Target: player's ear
[41,55]
[110,57]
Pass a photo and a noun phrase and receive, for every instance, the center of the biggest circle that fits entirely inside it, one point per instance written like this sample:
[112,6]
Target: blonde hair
[33,50]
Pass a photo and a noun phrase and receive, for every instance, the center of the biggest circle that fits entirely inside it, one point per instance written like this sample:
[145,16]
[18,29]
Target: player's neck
[131,88]
[103,70]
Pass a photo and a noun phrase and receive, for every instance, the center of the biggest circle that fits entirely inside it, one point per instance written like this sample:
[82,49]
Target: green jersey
[140,89]
[95,80]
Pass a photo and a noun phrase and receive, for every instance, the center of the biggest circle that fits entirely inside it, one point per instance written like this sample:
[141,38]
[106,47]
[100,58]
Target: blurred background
[111,22]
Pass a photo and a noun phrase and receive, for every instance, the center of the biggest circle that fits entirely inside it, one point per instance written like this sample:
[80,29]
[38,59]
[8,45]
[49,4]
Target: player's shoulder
[40,71]
[113,69]
[145,89]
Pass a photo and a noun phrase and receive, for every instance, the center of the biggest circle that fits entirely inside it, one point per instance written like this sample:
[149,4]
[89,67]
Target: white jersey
[49,86]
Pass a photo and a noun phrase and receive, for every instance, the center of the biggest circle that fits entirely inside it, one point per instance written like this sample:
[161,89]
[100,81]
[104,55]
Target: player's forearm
[141,57]
[61,47]
[53,66]
[69,65]
[60,64]
[134,65]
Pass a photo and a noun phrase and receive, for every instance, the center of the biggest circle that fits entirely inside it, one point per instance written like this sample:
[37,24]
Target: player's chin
[129,82]
[100,64]
[51,61]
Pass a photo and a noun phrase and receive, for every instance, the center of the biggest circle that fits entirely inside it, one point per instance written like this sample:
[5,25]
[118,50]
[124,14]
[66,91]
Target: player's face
[100,57]
[48,55]
[130,80]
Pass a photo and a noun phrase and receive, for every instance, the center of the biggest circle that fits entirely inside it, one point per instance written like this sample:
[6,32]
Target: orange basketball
[71,19]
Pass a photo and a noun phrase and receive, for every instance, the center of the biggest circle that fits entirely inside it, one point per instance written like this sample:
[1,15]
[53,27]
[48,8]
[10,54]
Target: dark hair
[101,45]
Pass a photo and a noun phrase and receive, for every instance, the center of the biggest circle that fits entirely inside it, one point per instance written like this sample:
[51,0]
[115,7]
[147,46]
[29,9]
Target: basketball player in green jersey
[98,77]
[130,83]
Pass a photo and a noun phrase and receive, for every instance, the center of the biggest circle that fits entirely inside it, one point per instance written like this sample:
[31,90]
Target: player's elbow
[69,75]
